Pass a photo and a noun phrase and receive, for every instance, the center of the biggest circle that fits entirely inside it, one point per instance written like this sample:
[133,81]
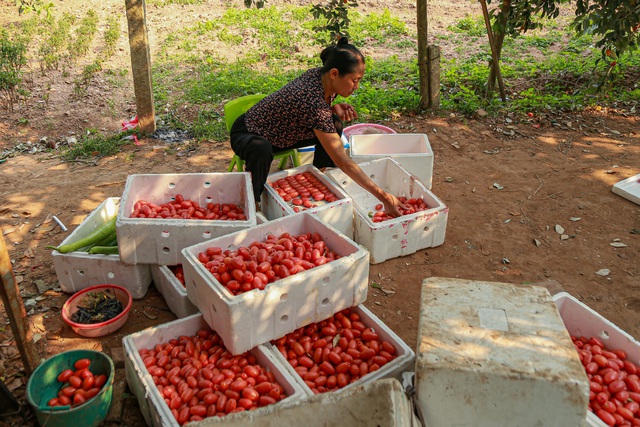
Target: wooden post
[423,62]
[14,307]
[141,65]
[434,76]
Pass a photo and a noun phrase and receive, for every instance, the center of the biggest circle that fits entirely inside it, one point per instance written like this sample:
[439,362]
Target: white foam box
[399,236]
[496,354]
[158,240]
[378,403]
[79,270]
[174,292]
[339,213]
[404,361]
[411,150]
[581,320]
[628,188]
[256,317]
[154,409]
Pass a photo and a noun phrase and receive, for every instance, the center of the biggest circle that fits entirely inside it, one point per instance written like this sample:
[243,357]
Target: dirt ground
[509,185]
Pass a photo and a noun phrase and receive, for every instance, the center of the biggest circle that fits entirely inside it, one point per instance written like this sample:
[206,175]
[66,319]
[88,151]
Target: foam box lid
[629,188]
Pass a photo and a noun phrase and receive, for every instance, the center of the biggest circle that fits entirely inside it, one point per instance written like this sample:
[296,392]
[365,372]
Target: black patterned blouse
[292,113]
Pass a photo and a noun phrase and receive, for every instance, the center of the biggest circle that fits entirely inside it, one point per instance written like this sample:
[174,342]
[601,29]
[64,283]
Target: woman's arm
[333,145]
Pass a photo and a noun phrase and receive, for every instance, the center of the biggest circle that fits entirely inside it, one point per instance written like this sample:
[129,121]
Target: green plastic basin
[43,385]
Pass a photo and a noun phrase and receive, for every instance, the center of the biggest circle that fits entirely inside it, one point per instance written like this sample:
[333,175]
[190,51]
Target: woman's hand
[345,111]
[392,205]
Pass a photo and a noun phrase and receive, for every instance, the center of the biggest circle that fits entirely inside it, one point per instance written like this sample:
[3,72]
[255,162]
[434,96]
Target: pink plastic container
[93,330]
[366,128]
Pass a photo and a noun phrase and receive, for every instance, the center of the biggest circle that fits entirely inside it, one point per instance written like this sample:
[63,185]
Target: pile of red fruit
[254,267]
[415,205]
[303,190]
[331,354]
[78,385]
[178,271]
[199,378]
[181,208]
[613,381]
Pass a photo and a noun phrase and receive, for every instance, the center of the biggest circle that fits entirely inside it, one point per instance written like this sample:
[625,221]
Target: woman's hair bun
[343,41]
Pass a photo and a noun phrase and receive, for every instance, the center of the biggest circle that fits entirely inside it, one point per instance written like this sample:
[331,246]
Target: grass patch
[95,145]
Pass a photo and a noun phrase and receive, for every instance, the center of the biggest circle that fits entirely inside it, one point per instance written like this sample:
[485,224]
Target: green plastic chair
[237,107]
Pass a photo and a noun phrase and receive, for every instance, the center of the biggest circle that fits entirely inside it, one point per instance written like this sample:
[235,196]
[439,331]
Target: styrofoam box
[399,236]
[79,270]
[378,403]
[256,317]
[339,213]
[411,150]
[404,361]
[174,293]
[496,354]
[581,320]
[629,188]
[159,241]
[152,405]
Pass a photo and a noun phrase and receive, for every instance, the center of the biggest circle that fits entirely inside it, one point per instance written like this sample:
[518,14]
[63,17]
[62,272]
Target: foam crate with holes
[174,291]
[398,236]
[500,348]
[411,150]
[338,213]
[404,361]
[258,316]
[159,240]
[79,270]
[581,320]
[153,406]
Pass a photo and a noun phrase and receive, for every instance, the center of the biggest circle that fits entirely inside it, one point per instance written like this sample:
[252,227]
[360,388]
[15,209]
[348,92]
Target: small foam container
[338,213]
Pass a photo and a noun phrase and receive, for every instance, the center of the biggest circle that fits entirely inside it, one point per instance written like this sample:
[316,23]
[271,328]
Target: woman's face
[347,84]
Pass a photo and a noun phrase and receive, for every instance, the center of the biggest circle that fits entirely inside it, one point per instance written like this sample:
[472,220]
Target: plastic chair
[237,107]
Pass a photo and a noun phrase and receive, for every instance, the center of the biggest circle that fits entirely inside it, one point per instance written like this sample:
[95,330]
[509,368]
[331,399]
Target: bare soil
[508,184]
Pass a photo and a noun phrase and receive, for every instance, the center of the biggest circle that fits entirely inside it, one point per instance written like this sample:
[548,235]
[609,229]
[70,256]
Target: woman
[301,114]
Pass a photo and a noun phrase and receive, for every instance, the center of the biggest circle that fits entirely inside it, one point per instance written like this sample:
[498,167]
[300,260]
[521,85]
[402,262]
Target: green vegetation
[546,68]
[96,145]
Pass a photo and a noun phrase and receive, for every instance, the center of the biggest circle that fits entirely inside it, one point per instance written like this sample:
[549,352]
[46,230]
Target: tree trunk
[423,54]
[498,39]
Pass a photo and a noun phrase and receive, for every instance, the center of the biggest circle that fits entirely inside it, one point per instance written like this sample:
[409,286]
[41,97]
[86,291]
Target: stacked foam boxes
[156,242]
[250,320]
[496,354]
